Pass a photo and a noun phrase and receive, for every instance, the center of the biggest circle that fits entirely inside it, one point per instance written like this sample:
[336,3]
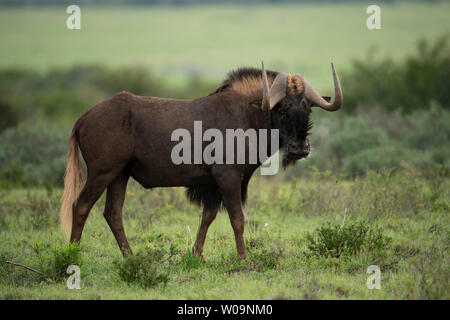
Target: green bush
[375,139]
[63,257]
[430,133]
[422,78]
[32,154]
[335,241]
[54,262]
[145,269]
[10,117]
[384,157]
[62,95]
[137,80]
[354,137]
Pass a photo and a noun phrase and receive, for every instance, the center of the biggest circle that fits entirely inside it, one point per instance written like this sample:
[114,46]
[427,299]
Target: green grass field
[213,40]
[409,207]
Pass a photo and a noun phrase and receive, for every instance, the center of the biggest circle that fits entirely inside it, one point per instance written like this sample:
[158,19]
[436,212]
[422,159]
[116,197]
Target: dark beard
[287,161]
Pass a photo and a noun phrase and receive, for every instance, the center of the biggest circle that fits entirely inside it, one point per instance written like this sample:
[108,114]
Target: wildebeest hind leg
[115,196]
[93,189]
[208,217]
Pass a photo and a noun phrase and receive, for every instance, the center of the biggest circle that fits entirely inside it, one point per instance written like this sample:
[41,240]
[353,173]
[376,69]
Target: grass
[403,217]
[211,40]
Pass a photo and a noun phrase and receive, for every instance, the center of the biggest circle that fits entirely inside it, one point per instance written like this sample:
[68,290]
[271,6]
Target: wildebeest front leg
[230,188]
[208,217]
[113,212]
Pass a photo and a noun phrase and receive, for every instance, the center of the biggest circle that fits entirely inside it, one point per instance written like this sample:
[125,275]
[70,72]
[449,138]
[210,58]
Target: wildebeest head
[290,99]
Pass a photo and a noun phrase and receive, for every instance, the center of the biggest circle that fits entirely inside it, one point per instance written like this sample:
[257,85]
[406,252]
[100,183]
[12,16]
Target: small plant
[62,256]
[190,261]
[53,263]
[144,268]
[336,241]
[266,259]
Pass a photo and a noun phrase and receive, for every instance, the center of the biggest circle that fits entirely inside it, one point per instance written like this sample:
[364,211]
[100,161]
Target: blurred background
[395,80]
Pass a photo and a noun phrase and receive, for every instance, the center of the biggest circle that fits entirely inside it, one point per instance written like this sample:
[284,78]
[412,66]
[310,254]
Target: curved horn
[318,101]
[276,92]
[265,105]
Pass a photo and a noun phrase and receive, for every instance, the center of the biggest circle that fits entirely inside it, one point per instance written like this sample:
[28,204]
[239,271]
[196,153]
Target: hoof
[196,254]
[243,256]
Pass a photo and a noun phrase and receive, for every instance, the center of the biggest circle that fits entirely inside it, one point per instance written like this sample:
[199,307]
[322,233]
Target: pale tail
[73,183]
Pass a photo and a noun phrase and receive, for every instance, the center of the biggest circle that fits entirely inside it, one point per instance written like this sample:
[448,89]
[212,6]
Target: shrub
[137,80]
[336,241]
[32,154]
[374,139]
[63,257]
[62,95]
[355,136]
[145,268]
[55,264]
[381,158]
[10,117]
[422,78]
[429,132]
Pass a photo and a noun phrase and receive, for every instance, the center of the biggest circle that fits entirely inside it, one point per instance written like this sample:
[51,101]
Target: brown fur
[247,86]
[295,85]
[246,81]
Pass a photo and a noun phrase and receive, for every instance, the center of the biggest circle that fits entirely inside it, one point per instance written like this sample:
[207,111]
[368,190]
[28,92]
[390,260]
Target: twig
[34,248]
[29,244]
[185,279]
[23,266]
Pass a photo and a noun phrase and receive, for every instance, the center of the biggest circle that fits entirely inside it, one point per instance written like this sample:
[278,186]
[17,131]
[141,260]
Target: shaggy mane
[245,81]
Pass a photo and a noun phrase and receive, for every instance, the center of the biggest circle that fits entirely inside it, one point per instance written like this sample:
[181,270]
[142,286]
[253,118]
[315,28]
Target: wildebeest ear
[272,95]
[278,89]
[327,99]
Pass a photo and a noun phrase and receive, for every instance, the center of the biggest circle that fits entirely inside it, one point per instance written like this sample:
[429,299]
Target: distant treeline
[61,95]
[177,2]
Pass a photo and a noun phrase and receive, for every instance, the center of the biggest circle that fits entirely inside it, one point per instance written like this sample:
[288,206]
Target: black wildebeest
[130,136]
